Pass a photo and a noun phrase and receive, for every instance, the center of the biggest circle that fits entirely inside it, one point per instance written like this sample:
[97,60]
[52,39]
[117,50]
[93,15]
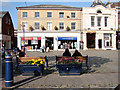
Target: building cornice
[48,7]
[51,31]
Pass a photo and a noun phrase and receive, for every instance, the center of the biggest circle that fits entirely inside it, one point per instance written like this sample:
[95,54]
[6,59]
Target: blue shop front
[67,42]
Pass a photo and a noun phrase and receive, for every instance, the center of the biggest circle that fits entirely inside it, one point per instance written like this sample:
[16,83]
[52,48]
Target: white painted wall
[111,13]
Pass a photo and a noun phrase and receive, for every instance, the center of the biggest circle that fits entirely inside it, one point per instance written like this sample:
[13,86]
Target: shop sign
[27,38]
[31,38]
[38,38]
[91,31]
[67,38]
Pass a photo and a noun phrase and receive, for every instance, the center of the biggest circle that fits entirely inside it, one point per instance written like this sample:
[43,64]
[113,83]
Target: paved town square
[103,72]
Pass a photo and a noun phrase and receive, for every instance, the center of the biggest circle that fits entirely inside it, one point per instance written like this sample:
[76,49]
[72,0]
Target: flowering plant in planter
[70,60]
[34,62]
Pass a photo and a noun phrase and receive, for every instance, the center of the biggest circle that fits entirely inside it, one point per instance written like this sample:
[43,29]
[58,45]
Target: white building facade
[99,26]
[55,40]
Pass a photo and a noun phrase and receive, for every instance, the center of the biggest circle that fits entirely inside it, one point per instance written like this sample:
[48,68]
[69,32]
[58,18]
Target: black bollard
[8,71]
[46,60]
[16,61]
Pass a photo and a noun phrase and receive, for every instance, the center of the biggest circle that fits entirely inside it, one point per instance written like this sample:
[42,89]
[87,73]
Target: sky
[10,5]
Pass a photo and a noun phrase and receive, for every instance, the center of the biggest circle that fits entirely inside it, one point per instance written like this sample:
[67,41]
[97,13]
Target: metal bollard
[8,71]
[16,61]
[46,60]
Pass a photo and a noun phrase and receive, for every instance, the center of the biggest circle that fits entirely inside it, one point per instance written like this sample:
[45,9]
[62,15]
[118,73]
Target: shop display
[26,42]
[34,41]
[67,42]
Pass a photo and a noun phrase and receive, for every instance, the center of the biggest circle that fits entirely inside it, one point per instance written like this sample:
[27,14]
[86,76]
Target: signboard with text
[67,38]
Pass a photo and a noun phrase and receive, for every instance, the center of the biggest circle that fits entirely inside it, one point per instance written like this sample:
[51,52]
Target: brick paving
[103,72]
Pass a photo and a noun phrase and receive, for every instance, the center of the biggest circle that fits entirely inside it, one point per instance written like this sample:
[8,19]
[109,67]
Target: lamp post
[23,37]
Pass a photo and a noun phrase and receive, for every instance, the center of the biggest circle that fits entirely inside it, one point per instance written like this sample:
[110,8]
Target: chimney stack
[25,3]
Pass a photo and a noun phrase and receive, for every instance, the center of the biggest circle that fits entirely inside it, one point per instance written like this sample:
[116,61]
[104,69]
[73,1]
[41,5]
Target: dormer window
[99,11]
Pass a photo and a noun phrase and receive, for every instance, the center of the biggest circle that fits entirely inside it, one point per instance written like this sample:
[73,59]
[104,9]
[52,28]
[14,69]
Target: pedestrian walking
[35,47]
[43,49]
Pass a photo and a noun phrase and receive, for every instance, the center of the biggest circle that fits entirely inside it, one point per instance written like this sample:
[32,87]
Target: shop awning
[67,38]
[31,38]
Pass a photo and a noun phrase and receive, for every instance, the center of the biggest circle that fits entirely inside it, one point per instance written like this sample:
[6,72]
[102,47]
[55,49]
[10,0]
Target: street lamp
[23,37]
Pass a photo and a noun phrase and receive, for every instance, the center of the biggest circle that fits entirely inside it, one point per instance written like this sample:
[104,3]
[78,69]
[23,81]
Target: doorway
[90,40]
[49,42]
[100,43]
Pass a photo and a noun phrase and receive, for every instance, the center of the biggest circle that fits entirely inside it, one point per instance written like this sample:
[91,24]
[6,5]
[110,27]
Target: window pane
[106,21]
[49,25]
[61,25]
[72,15]
[61,15]
[24,14]
[36,14]
[37,25]
[73,25]
[98,21]
[49,14]
[92,21]
[107,40]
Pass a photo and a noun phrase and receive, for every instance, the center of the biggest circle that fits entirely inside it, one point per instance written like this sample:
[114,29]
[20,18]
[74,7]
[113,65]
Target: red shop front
[31,43]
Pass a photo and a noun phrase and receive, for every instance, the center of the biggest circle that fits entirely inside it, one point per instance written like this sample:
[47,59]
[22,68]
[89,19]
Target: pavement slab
[103,72]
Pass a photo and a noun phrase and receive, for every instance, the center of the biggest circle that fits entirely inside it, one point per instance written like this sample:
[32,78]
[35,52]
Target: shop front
[49,43]
[31,43]
[100,40]
[49,40]
[67,42]
[6,41]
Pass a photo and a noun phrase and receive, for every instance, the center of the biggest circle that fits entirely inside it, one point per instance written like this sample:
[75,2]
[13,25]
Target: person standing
[35,47]
[65,45]
[22,53]
[76,53]
[43,49]
[66,53]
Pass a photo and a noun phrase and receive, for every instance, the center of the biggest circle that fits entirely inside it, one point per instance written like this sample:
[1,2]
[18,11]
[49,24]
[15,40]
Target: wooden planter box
[25,59]
[31,70]
[70,69]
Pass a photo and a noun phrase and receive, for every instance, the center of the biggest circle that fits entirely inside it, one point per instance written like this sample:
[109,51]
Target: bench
[24,59]
[84,58]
